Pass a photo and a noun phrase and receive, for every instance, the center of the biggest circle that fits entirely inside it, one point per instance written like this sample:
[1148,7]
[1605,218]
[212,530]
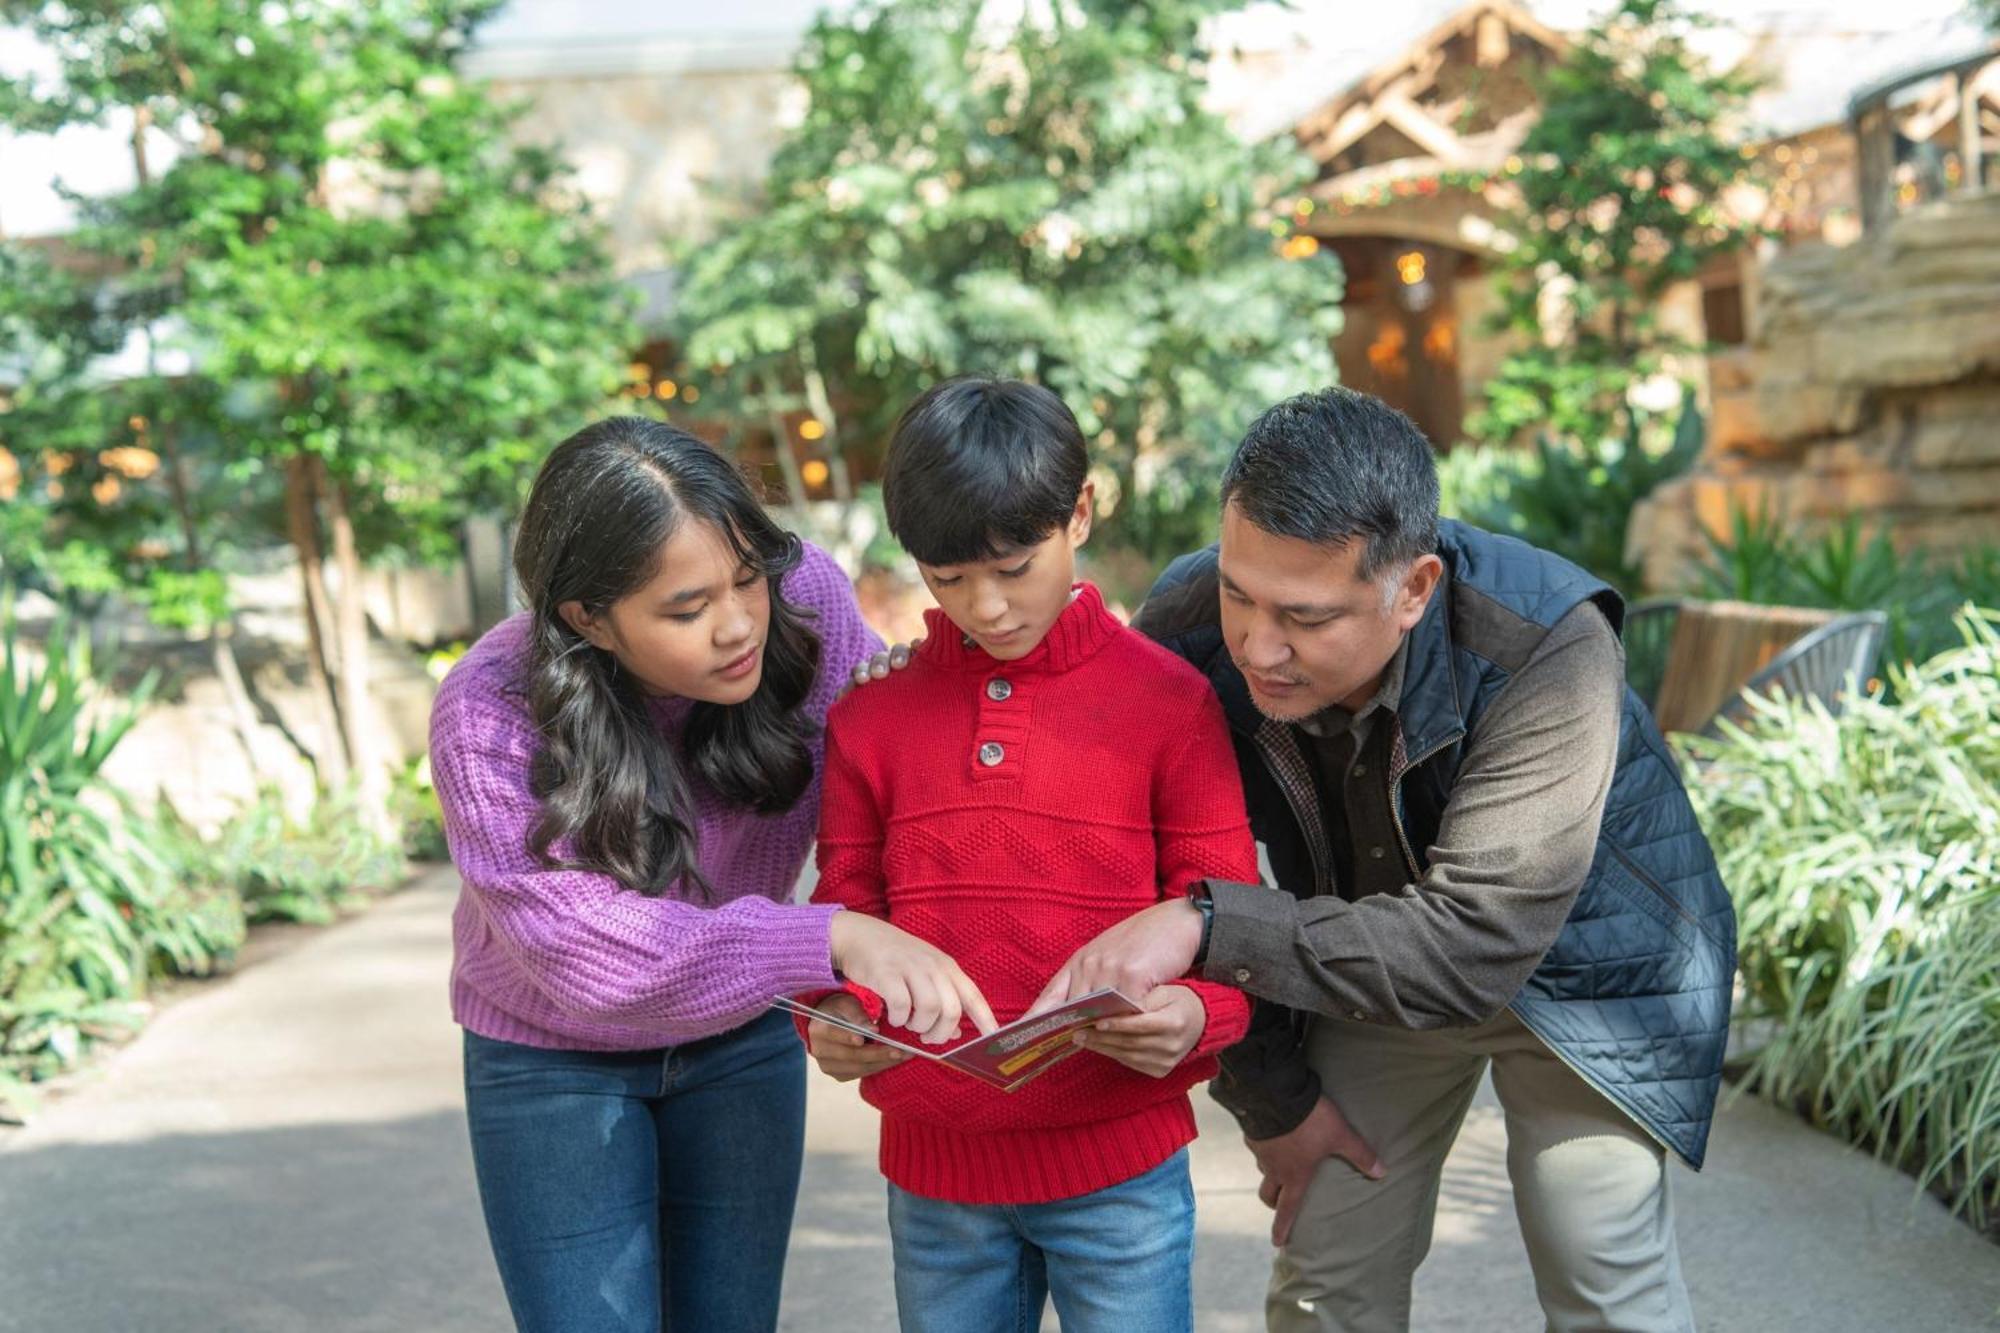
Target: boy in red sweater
[1037,773]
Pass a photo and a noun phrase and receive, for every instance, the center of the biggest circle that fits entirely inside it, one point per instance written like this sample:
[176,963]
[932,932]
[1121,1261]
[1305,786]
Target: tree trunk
[781,445]
[303,525]
[351,632]
[242,716]
[142,118]
[821,404]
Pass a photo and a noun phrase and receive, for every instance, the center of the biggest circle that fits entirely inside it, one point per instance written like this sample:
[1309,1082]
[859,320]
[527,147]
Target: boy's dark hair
[979,467]
[1331,466]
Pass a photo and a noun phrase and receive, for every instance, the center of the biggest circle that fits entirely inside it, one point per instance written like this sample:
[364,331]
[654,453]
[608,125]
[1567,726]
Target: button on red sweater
[1008,812]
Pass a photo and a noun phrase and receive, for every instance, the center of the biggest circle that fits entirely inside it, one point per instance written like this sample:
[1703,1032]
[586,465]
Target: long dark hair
[602,507]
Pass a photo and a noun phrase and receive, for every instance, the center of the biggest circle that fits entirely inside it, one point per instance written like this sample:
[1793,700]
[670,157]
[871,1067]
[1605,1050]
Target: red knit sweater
[1114,787]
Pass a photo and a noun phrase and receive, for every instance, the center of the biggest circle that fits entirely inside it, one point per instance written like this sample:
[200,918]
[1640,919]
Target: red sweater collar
[1084,626]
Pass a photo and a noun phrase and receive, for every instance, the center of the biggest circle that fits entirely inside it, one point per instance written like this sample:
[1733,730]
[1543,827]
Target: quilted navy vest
[1635,992]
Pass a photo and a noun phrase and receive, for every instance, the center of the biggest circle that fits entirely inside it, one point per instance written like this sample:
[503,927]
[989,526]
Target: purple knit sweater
[561,958]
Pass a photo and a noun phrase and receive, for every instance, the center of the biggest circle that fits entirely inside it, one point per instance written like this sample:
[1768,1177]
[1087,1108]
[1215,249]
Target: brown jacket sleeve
[1517,838]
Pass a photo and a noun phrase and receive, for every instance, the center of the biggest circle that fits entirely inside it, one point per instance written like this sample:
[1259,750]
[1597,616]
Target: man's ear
[595,631]
[1080,518]
[1415,594]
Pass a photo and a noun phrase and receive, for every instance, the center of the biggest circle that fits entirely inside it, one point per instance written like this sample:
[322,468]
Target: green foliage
[347,255]
[1043,196]
[414,809]
[1863,852]
[1476,483]
[1579,502]
[311,869]
[1851,567]
[1620,190]
[89,907]
[881,551]
[1553,391]
[97,898]
[1570,497]
[413,802]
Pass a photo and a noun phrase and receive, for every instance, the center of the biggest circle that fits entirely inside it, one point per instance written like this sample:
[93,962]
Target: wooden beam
[1875,164]
[1355,122]
[1972,175]
[1408,118]
[1491,41]
[1345,117]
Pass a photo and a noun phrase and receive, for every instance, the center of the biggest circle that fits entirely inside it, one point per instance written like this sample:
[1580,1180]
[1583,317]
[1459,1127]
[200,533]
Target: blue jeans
[631,1191]
[1119,1260]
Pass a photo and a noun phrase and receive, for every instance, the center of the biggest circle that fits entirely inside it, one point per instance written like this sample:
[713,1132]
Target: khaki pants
[1590,1187]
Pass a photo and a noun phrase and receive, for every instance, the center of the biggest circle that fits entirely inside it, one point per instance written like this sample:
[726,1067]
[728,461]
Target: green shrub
[413,806]
[90,909]
[1849,567]
[1863,852]
[1570,497]
[98,898]
[1476,483]
[309,870]
[1578,501]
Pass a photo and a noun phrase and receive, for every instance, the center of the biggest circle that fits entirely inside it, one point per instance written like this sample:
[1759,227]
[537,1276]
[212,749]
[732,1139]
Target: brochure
[1010,1056]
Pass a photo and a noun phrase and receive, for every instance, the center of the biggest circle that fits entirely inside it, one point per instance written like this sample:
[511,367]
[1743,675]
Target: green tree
[1043,196]
[379,309]
[1620,197]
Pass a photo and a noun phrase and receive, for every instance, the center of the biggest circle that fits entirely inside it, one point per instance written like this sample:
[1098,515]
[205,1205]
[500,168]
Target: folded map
[1009,1056]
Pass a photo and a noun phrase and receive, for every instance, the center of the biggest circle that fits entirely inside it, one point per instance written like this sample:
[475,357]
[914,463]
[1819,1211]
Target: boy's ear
[1080,517]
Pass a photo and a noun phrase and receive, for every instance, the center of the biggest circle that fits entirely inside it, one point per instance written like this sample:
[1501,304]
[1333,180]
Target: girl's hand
[848,1055]
[1155,1042]
[922,988]
[881,664]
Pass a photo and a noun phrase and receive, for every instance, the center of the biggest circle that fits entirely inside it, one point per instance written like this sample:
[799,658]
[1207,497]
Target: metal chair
[1826,664]
[1649,631]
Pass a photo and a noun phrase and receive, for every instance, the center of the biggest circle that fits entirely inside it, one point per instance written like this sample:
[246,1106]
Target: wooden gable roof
[1416,104]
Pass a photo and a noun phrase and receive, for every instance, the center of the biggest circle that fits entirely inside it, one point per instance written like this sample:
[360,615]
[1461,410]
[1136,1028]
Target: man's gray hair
[1337,465]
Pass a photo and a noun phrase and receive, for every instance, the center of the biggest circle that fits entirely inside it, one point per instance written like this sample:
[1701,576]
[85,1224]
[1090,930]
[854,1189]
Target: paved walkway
[286,1152]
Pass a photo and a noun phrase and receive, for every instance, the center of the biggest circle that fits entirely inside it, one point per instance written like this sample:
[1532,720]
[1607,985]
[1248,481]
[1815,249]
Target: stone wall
[662,157]
[1871,386]
[186,747]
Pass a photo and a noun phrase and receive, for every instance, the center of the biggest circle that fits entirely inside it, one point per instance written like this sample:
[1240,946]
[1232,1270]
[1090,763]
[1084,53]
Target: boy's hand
[848,1055]
[881,664]
[1155,1042]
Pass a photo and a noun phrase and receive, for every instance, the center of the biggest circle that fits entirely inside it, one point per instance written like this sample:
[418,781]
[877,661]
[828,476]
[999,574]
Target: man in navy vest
[1486,858]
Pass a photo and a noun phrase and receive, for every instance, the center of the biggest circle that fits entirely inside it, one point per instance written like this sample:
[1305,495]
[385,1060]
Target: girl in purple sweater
[630,777]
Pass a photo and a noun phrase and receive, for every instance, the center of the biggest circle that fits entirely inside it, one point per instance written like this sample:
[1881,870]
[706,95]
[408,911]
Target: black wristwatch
[1198,895]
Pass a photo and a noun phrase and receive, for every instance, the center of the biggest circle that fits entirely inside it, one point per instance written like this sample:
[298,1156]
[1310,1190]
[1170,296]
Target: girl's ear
[596,632]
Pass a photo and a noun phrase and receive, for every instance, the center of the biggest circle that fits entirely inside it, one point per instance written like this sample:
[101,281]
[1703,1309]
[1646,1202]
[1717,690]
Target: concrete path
[285,1152]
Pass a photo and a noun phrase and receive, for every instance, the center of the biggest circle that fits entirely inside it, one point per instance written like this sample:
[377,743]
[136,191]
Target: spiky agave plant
[90,905]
